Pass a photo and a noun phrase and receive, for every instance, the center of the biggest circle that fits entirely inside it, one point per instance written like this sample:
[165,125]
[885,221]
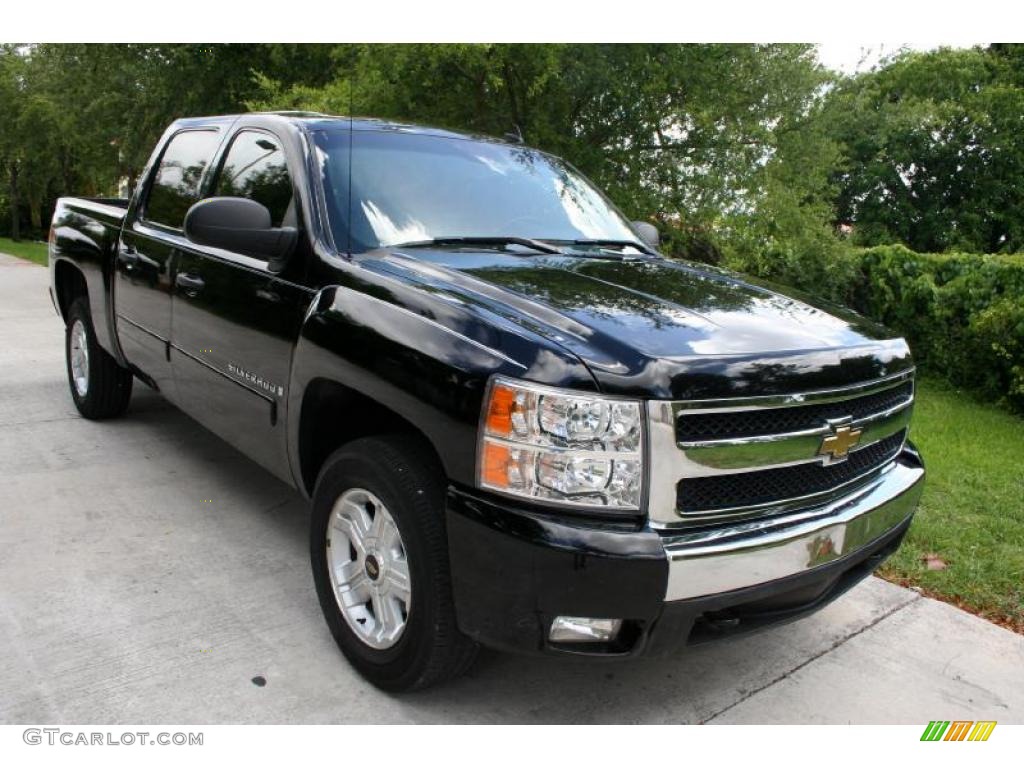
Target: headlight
[563,447]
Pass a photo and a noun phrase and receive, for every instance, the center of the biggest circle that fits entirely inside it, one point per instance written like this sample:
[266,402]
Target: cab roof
[317,121]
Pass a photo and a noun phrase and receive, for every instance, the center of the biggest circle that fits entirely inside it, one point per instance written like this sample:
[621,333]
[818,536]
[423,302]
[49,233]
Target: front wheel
[100,387]
[380,562]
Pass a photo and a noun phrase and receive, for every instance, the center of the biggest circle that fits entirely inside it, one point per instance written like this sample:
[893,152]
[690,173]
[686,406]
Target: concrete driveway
[148,572]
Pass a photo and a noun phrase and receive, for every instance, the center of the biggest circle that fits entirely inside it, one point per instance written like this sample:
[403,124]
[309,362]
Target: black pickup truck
[518,423]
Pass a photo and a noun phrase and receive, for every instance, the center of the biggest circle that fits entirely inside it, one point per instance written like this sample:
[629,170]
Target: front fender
[422,358]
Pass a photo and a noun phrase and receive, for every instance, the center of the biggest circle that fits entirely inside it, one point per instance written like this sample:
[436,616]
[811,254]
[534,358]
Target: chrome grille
[753,457]
[748,489]
[691,427]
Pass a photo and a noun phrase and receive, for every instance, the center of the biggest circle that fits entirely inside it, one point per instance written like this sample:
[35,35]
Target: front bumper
[514,570]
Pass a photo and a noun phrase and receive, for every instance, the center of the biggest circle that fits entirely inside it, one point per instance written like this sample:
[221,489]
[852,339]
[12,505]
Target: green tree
[11,152]
[80,119]
[933,151]
[685,133]
[715,142]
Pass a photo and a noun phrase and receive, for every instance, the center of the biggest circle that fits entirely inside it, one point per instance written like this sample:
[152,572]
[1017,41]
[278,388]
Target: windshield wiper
[526,242]
[617,244]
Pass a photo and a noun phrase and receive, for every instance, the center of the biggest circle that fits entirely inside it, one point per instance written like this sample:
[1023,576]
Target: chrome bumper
[746,554]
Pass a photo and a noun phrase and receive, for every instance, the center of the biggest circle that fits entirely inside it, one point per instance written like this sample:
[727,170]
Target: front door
[234,322]
[144,269]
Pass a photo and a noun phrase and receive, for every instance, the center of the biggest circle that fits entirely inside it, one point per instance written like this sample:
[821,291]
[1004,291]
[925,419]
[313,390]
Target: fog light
[580,629]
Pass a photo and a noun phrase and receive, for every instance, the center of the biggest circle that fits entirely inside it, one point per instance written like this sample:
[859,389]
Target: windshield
[409,188]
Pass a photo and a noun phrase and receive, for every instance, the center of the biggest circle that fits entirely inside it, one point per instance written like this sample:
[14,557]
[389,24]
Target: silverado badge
[836,446]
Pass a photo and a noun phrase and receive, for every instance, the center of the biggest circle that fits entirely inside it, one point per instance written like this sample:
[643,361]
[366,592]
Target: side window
[176,184]
[255,168]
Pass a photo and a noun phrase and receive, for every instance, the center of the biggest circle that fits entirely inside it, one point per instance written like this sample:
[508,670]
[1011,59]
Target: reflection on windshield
[387,231]
[402,187]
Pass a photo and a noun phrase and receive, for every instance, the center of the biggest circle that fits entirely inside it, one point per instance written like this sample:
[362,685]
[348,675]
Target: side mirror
[240,225]
[648,233]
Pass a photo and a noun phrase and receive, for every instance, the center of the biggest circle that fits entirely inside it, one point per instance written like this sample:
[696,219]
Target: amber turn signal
[496,462]
[500,409]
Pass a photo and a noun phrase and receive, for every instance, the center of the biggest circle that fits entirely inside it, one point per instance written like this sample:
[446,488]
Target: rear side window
[255,168]
[176,184]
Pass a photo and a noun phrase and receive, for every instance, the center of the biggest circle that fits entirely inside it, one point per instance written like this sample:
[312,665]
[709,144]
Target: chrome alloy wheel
[368,568]
[80,358]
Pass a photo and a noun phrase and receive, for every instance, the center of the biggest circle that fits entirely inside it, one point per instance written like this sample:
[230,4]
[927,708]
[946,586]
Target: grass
[972,512]
[24,249]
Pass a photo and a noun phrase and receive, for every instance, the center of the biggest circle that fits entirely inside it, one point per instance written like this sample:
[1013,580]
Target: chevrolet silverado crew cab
[518,423]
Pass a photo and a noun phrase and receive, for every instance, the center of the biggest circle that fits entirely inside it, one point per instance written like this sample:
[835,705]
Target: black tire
[400,473]
[108,386]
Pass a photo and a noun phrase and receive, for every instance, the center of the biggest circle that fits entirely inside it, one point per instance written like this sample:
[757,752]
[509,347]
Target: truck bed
[85,233]
[108,210]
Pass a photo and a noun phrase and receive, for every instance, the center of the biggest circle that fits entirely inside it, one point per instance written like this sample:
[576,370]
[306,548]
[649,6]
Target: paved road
[125,597]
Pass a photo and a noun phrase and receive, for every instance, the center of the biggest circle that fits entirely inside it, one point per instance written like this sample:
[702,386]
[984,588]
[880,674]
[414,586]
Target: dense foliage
[932,151]
[700,136]
[962,313]
[751,152]
[752,156]
[82,119]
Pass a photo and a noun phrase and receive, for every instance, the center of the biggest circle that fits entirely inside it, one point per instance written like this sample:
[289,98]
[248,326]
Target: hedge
[962,313]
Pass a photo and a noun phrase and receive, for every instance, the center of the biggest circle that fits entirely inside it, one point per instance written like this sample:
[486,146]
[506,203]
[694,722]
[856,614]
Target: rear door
[144,269]
[235,323]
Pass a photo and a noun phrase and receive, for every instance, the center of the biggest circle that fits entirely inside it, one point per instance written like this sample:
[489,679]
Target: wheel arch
[391,360]
[333,415]
[73,279]
[69,284]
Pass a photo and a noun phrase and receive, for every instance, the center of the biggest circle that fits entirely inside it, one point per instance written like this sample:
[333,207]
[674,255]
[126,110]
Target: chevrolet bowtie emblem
[836,446]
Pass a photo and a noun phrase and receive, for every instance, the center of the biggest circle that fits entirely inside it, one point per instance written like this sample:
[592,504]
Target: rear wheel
[99,386]
[380,562]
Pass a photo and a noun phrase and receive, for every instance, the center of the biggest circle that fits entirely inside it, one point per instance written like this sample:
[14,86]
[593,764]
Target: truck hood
[663,328]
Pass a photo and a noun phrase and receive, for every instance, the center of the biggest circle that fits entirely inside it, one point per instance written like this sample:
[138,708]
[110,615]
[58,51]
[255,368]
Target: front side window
[255,168]
[176,183]
[395,187]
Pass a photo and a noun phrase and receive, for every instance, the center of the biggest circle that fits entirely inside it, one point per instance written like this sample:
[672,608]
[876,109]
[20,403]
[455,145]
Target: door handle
[128,256]
[190,284]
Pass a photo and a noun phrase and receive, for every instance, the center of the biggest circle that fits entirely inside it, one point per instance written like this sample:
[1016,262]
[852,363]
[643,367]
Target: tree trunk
[35,212]
[15,229]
